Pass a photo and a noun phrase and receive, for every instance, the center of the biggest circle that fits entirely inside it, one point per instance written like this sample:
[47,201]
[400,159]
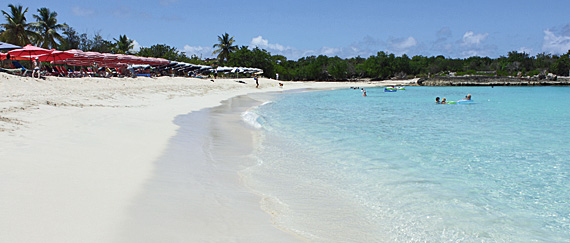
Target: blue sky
[297,28]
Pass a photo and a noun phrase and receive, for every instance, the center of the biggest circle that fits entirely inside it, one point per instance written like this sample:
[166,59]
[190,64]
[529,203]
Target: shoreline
[76,151]
[195,191]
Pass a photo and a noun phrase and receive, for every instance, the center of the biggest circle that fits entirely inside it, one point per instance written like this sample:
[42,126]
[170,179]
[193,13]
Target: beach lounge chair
[58,69]
[52,71]
[73,73]
[91,72]
[62,71]
[87,73]
[114,72]
[18,68]
[14,71]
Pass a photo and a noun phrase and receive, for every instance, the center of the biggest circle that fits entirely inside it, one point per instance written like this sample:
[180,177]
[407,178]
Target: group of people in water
[437,99]
[444,101]
[361,90]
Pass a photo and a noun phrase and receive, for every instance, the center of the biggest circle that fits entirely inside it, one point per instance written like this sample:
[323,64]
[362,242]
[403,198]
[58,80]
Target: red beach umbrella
[55,55]
[29,51]
[108,57]
[147,60]
[138,60]
[127,59]
[78,55]
[71,62]
[94,56]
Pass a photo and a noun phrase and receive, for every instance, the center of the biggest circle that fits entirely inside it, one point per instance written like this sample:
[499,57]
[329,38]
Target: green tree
[519,61]
[160,50]
[225,47]
[16,29]
[314,68]
[562,65]
[99,44]
[48,28]
[337,69]
[543,61]
[71,39]
[85,43]
[123,45]
[418,65]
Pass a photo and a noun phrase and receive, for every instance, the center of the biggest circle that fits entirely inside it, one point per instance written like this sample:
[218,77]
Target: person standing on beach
[36,64]
[256,82]
[277,76]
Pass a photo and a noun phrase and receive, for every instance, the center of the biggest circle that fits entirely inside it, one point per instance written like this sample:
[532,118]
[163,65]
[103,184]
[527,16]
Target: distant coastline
[492,81]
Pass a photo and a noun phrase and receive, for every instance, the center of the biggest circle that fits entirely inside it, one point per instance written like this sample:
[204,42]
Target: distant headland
[494,81]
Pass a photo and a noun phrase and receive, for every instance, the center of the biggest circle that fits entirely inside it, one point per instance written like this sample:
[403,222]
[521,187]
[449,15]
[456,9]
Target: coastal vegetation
[16,30]
[225,47]
[47,28]
[47,33]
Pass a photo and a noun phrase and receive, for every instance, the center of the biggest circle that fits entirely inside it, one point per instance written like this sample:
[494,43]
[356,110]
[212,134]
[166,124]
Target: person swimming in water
[437,100]
[443,101]
[467,97]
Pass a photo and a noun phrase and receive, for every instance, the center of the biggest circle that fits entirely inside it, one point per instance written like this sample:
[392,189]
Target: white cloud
[555,44]
[473,44]
[472,39]
[526,50]
[366,47]
[443,44]
[200,51]
[136,46]
[402,45]
[328,51]
[480,52]
[275,48]
[264,44]
[82,12]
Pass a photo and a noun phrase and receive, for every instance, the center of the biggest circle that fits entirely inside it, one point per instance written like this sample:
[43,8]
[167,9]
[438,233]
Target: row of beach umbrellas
[184,67]
[76,57]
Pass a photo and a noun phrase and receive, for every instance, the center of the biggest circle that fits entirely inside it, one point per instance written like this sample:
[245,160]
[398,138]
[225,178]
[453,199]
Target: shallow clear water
[336,166]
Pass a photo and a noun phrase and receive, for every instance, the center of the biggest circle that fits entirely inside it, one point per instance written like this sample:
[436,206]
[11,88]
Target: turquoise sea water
[336,166]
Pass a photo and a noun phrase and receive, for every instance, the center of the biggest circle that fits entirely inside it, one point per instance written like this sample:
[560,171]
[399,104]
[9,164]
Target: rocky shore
[491,81]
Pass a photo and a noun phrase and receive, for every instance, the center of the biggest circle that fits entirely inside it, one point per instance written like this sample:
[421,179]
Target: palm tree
[47,28]
[16,29]
[224,47]
[123,45]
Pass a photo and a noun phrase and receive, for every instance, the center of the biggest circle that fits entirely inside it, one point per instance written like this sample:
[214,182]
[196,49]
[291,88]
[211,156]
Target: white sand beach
[78,154]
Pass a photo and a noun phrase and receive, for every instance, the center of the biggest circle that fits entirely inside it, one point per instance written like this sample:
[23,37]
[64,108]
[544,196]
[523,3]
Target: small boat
[390,90]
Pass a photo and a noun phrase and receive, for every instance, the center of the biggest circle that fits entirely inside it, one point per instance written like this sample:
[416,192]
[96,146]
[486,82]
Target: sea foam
[252,117]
